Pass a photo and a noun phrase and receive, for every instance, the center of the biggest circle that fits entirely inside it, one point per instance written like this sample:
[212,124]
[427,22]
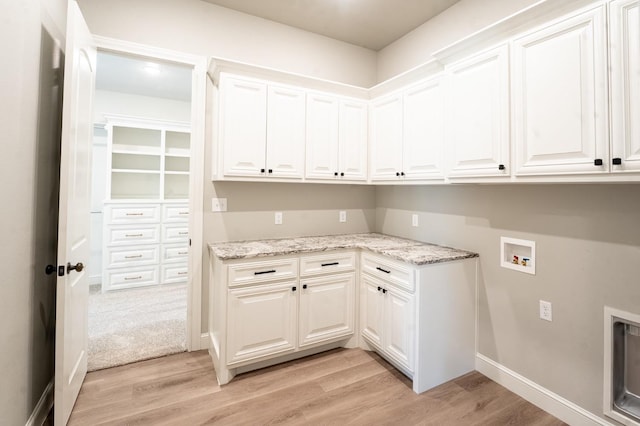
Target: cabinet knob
[384,290]
[304,286]
[335,174]
[379,288]
[617,161]
[401,173]
[270,170]
[597,162]
[501,167]
[341,173]
[294,288]
[261,170]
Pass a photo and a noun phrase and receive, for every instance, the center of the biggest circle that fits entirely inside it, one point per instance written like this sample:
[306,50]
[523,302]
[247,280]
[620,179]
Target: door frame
[195,338]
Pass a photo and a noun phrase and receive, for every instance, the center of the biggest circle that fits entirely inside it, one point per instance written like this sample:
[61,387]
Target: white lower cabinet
[420,318]
[263,310]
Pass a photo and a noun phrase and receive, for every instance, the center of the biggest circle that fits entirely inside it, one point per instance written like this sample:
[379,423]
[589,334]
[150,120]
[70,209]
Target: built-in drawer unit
[175,253]
[175,233]
[398,273]
[262,271]
[131,277]
[174,273]
[133,234]
[129,214]
[132,256]
[175,213]
[327,263]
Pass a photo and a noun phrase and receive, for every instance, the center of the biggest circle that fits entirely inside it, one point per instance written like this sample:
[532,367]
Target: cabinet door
[371,310]
[399,332]
[322,136]
[423,131]
[326,308]
[560,99]
[261,321]
[243,126]
[386,138]
[285,132]
[352,155]
[477,128]
[625,84]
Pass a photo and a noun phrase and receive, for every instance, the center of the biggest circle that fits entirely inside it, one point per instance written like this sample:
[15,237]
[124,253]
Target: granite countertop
[410,251]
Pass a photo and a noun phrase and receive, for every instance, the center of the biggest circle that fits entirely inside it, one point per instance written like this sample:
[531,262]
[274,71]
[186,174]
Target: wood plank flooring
[339,387]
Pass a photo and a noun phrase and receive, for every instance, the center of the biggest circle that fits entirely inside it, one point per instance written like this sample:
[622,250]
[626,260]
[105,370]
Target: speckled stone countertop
[410,251]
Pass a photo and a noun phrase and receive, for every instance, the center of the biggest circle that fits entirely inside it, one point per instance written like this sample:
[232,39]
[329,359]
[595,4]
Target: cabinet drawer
[127,278]
[175,213]
[143,213]
[120,235]
[259,272]
[175,233]
[175,253]
[325,263]
[174,273]
[400,274]
[132,256]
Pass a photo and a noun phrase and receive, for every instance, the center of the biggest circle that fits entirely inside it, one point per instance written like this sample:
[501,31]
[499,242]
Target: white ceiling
[373,24]
[138,76]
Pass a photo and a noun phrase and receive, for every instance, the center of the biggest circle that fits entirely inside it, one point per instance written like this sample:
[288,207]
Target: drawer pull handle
[183,252]
[135,214]
[183,233]
[183,213]
[330,264]
[272,271]
[139,277]
[133,235]
[383,270]
[133,257]
[182,273]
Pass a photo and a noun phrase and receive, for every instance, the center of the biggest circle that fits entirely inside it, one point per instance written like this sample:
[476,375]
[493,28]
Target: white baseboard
[552,403]
[42,408]
[204,341]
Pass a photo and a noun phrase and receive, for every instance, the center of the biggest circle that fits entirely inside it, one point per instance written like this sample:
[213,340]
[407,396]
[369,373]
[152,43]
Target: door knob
[78,267]
[49,269]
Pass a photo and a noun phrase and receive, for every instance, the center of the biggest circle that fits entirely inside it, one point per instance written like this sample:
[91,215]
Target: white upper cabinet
[477,122]
[285,132]
[336,138]
[560,97]
[625,85]
[262,129]
[386,137]
[423,135]
[243,126]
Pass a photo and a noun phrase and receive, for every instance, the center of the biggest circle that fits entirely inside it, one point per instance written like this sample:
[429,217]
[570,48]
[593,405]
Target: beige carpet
[132,325]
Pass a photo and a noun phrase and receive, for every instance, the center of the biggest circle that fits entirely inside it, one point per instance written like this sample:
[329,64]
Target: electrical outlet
[414,220]
[343,216]
[218,204]
[546,312]
[278,218]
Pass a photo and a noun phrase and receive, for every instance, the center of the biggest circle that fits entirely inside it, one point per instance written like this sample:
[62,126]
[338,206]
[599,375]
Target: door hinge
[61,270]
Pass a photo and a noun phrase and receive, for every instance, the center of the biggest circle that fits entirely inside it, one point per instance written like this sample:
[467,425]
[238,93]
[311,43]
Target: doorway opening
[140,208]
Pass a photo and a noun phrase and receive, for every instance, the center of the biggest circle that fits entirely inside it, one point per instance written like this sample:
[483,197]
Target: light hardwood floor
[339,387]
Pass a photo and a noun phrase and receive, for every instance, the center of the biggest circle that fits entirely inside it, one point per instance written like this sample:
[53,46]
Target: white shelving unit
[145,228]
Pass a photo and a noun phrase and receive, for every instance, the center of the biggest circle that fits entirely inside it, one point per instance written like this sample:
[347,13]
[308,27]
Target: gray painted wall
[30,117]
[588,247]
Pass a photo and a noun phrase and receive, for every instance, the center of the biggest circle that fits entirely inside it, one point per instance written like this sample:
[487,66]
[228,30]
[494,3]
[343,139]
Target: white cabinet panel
[327,263]
[477,128]
[243,126]
[175,213]
[322,136]
[143,213]
[175,253]
[130,277]
[326,308]
[132,256]
[559,87]
[423,136]
[285,132]
[261,271]
[371,310]
[174,273]
[175,233]
[132,234]
[352,155]
[625,85]
[400,326]
[386,137]
[261,321]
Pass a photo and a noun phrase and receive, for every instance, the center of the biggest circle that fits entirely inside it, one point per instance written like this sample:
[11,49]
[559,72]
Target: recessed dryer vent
[622,366]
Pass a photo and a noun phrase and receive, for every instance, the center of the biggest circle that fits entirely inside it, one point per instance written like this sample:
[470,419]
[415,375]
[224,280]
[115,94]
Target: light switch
[218,204]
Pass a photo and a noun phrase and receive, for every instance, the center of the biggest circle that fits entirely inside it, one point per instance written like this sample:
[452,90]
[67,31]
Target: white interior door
[74,224]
